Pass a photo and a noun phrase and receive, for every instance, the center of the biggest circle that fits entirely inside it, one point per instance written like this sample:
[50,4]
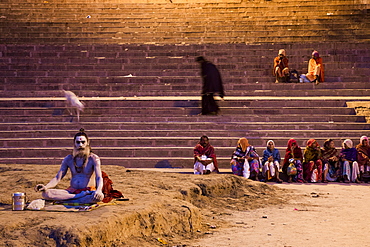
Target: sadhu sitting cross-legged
[82,164]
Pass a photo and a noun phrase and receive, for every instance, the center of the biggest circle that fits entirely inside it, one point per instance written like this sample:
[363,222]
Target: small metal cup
[19,201]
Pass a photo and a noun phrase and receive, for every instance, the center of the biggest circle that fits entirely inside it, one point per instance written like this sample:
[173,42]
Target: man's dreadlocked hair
[81,133]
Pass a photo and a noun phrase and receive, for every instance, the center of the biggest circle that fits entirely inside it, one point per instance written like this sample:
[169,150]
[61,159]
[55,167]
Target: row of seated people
[315,164]
[315,70]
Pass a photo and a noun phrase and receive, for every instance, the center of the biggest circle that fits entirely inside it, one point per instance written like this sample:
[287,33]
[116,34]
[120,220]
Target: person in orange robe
[315,69]
[281,67]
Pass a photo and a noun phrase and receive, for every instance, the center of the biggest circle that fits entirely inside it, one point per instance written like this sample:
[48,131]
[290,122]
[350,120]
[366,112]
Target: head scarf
[312,153]
[327,151]
[290,144]
[327,143]
[282,51]
[348,142]
[297,152]
[267,143]
[363,138]
[315,54]
[310,142]
[243,144]
[348,153]
[363,151]
[274,152]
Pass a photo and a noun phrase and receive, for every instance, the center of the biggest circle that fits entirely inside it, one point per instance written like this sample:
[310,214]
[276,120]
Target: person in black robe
[212,85]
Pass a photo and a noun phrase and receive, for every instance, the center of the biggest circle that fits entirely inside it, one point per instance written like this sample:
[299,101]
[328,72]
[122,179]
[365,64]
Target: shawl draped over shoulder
[208,150]
[297,152]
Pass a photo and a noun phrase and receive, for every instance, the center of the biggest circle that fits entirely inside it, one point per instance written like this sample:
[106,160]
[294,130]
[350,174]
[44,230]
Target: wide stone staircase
[132,64]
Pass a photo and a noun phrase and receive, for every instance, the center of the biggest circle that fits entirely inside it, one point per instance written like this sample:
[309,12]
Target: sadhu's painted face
[81,142]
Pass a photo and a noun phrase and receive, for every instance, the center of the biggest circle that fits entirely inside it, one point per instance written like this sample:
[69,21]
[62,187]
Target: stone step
[125,152]
[266,134]
[148,158]
[187,126]
[129,162]
[220,54]
[345,50]
[333,119]
[177,39]
[180,90]
[163,82]
[187,101]
[180,111]
[103,28]
[137,142]
[241,113]
[189,18]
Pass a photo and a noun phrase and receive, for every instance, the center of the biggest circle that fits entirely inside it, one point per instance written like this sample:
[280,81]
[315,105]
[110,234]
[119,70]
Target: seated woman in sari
[348,159]
[363,156]
[330,161]
[245,160]
[271,162]
[293,158]
[312,166]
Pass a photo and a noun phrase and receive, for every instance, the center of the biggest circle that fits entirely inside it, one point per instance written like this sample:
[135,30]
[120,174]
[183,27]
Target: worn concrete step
[346,51]
[122,156]
[171,141]
[186,101]
[187,126]
[120,85]
[180,133]
[129,162]
[188,91]
[160,39]
[124,152]
[333,119]
[166,111]
[152,86]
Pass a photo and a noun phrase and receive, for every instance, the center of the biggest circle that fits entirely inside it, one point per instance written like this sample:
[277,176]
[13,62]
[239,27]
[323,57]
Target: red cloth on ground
[108,191]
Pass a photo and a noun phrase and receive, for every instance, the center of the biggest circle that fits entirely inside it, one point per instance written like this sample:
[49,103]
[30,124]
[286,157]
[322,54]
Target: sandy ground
[326,215]
[177,208]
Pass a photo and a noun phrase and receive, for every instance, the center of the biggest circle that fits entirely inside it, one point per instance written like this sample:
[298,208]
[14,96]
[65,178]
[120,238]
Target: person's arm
[265,157]
[54,181]
[278,157]
[98,195]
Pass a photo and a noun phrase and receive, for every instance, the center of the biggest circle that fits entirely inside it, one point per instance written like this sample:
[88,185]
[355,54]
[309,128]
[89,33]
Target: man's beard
[81,152]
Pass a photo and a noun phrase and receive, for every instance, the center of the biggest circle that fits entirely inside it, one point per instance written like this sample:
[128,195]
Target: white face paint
[81,142]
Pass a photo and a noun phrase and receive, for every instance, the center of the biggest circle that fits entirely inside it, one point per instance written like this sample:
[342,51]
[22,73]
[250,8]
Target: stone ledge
[362,108]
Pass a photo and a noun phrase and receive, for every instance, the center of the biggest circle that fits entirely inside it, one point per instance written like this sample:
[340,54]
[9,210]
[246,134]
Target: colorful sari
[332,166]
[363,154]
[348,157]
[238,162]
[312,161]
[296,155]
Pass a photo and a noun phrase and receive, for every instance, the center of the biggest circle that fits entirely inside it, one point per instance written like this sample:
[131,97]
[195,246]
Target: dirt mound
[170,207]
